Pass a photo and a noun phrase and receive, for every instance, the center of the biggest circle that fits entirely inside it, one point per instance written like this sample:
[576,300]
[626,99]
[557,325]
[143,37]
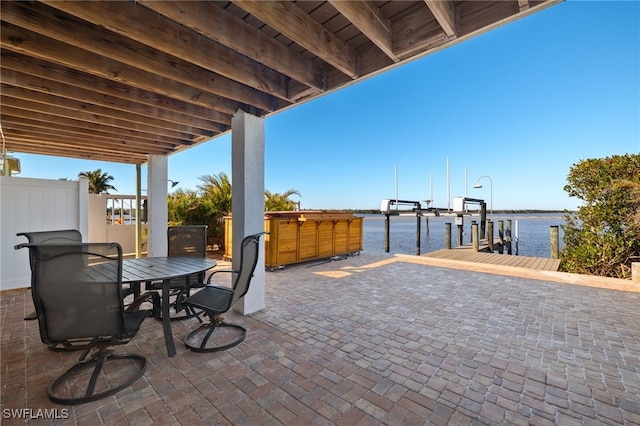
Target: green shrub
[603,236]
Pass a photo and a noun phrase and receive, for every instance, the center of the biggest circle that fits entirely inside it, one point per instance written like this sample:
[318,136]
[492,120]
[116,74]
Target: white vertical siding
[33,205]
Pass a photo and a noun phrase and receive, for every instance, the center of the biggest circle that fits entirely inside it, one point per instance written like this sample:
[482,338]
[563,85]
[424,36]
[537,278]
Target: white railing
[104,216]
[121,209]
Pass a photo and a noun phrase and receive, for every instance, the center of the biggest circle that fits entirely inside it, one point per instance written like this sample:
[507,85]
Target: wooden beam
[368,19]
[95,43]
[55,139]
[57,73]
[59,110]
[32,44]
[32,112]
[18,127]
[38,147]
[417,33]
[217,24]
[38,101]
[294,23]
[40,129]
[479,17]
[445,13]
[66,104]
[23,85]
[152,29]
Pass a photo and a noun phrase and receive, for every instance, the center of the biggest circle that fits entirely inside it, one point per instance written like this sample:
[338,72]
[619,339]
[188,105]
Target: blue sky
[520,104]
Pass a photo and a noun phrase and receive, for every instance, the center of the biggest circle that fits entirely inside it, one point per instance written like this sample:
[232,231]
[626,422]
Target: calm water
[533,233]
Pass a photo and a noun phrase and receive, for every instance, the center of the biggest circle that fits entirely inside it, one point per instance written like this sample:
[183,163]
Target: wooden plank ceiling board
[118,80]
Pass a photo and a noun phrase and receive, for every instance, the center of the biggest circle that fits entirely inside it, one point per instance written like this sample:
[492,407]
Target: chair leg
[63,389]
[208,329]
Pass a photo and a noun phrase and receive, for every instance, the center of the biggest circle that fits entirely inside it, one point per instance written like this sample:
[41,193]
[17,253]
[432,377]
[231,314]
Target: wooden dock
[465,254]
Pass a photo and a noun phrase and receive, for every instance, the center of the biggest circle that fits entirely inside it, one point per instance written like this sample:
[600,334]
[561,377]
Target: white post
[448,187]
[158,212]
[247,201]
[431,189]
[139,211]
[466,191]
[396,173]
[83,208]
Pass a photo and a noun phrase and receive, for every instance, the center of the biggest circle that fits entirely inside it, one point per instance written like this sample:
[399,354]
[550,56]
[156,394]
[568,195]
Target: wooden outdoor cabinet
[296,236]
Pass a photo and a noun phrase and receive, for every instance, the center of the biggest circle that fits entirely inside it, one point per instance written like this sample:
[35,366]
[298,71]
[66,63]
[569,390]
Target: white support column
[157,205]
[83,208]
[247,186]
[138,237]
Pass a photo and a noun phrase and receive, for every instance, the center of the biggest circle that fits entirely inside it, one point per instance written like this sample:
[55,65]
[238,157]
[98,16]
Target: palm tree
[98,181]
[215,204]
[217,189]
[280,202]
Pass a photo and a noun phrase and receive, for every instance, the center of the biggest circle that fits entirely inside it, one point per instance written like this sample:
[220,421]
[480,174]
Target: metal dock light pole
[478,185]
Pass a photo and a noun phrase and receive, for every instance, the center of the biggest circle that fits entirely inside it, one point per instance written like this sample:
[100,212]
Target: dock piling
[475,240]
[555,242]
[418,220]
[386,233]
[490,235]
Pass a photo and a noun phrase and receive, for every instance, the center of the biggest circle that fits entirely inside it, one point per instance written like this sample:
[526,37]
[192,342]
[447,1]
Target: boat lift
[385,208]
[460,208]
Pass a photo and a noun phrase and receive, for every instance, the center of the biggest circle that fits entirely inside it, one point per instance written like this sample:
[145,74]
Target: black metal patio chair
[215,300]
[77,290]
[190,240]
[61,236]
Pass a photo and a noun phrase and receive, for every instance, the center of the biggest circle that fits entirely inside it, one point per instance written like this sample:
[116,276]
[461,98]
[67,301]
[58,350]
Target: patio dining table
[145,269]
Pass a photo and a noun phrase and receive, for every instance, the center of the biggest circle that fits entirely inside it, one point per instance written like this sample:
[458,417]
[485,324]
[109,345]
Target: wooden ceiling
[117,80]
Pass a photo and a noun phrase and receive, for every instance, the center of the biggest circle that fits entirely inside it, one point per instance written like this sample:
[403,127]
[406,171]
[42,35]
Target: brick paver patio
[372,339]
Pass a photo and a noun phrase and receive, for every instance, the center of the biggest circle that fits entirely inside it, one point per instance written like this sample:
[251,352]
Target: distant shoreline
[495,212]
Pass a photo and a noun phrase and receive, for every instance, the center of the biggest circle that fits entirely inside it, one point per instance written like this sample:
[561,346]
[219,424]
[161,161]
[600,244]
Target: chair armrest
[220,270]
